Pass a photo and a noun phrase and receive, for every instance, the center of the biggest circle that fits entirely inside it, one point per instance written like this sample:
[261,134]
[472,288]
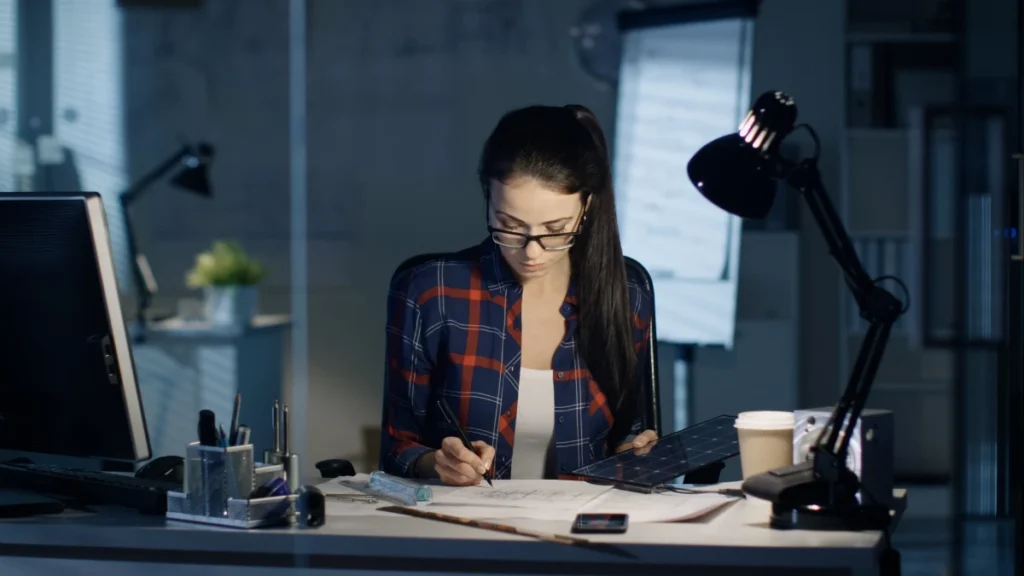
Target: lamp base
[802,499]
[819,518]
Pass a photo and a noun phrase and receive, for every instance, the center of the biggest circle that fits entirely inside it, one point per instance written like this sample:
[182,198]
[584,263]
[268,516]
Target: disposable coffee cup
[766,441]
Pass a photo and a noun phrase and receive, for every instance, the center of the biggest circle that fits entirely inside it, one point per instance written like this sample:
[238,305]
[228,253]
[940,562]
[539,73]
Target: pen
[223,438]
[234,418]
[446,411]
[277,427]
[284,431]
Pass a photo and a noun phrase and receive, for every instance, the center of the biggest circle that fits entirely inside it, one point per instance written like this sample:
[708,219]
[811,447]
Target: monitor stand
[19,504]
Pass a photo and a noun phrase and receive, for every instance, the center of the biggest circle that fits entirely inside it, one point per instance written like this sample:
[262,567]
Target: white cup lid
[766,420]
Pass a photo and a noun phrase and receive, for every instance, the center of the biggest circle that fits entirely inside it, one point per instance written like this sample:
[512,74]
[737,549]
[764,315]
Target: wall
[798,48]
[401,96]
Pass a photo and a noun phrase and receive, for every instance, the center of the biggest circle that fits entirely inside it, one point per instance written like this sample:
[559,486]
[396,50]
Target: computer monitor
[67,378]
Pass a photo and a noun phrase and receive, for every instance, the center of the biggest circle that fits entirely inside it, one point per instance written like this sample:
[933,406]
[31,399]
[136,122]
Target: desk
[734,540]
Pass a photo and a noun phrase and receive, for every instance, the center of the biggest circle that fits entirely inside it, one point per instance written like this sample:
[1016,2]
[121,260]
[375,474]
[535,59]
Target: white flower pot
[230,307]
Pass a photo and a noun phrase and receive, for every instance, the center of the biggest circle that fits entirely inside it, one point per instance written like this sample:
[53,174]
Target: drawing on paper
[533,496]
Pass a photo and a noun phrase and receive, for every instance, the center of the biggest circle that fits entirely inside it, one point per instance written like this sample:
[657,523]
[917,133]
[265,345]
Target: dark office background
[350,138]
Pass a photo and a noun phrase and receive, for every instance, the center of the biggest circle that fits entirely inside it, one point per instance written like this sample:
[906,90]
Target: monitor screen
[67,380]
[681,86]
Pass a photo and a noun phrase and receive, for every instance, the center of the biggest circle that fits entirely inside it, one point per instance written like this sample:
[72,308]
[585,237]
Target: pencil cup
[214,474]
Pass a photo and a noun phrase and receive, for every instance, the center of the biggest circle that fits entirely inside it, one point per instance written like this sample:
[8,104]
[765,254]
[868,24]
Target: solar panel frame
[675,455]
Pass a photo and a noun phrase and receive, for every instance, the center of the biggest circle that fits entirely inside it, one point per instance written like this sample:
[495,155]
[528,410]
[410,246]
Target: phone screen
[600,523]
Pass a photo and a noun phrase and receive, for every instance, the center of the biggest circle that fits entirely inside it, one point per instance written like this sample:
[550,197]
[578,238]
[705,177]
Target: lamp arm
[147,179]
[877,305]
[126,199]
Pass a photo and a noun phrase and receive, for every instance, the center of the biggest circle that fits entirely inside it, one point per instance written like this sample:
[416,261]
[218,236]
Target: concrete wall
[401,96]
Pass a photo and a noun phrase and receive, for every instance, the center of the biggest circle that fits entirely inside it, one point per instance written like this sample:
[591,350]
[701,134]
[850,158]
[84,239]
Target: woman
[532,337]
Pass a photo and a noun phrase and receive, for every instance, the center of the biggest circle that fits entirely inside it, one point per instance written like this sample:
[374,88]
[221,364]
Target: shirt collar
[498,277]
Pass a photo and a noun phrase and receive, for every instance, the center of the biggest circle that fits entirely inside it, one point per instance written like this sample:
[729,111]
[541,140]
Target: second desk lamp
[192,161]
[738,173]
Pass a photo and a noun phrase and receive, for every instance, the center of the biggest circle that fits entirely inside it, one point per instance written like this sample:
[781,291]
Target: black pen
[233,430]
[446,411]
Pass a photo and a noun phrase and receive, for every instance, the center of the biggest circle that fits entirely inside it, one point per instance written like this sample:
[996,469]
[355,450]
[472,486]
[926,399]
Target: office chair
[650,416]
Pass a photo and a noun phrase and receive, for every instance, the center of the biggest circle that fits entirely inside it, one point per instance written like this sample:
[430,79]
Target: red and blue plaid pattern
[454,329]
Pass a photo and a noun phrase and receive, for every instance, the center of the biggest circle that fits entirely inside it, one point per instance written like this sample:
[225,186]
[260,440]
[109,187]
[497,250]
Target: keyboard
[90,487]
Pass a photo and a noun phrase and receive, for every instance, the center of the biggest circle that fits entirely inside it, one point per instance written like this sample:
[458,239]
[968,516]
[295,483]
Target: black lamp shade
[732,175]
[195,179]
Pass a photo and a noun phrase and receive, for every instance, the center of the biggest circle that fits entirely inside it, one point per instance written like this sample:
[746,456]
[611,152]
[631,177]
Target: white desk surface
[736,537]
[178,327]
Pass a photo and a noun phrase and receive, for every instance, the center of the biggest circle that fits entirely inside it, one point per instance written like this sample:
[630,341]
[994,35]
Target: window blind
[8,92]
[88,104]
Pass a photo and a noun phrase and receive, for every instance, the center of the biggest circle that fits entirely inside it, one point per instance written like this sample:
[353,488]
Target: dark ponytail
[565,147]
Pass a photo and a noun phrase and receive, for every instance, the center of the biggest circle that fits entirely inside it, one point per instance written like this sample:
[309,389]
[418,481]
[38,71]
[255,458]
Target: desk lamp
[738,173]
[194,161]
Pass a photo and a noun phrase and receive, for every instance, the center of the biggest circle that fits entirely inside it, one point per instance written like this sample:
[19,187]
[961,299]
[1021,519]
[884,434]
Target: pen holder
[213,475]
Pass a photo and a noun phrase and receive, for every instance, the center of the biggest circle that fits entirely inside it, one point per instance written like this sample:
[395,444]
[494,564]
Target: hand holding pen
[460,462]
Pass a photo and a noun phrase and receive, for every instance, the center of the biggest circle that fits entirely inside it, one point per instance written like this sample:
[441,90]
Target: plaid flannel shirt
[454,330]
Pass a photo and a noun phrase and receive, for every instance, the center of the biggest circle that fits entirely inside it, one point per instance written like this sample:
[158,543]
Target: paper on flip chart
[542,495]
[663,507]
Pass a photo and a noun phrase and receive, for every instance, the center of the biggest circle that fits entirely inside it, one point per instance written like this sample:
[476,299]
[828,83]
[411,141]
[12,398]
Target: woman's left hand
[642,444]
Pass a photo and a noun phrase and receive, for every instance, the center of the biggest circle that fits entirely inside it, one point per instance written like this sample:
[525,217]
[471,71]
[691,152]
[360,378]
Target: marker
[242,438]
[207,428]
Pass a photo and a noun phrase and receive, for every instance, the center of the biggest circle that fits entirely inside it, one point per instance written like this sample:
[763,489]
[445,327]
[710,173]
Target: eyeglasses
[560,241]
[554,242]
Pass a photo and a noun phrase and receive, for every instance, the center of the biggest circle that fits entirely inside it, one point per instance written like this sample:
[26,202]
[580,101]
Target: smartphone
[600,523]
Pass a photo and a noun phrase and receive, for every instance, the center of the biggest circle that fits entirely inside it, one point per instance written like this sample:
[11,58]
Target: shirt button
[563,468]
[508,413]
[561,374]
[561,418]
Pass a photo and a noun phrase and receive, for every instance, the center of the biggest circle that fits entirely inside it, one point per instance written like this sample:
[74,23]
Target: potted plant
[228,277]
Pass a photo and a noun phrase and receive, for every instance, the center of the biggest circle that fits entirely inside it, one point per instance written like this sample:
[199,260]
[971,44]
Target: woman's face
[529,206]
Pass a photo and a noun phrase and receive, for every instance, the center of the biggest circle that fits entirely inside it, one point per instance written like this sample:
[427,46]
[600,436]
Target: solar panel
[673,456]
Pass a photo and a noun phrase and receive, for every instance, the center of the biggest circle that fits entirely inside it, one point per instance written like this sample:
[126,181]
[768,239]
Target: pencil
[507,529]
[449,415]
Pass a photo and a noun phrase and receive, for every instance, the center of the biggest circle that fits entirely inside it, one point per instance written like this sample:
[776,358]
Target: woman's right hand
[457,466]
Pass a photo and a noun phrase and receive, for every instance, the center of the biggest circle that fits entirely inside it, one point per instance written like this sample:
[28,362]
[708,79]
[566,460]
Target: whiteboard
[681,86]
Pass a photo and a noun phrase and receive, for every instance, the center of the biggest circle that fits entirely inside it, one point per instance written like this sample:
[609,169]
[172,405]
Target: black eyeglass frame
[539,238]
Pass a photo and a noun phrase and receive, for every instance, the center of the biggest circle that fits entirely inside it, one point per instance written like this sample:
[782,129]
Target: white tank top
[533,450]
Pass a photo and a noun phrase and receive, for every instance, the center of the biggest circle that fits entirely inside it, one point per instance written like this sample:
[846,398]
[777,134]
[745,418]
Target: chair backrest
[648,364]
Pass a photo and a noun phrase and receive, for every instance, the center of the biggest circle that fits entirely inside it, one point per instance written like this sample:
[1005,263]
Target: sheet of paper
[499,513]
[531,494]
[665,507]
